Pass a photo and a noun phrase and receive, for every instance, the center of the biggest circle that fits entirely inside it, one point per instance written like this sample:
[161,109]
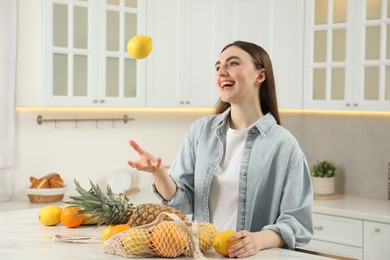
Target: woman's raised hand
[146,162]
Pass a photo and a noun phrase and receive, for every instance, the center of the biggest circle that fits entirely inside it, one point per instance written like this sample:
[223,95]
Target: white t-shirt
[224,186]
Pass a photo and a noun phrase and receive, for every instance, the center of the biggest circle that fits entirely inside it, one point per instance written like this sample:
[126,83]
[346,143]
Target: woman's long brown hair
[267,91]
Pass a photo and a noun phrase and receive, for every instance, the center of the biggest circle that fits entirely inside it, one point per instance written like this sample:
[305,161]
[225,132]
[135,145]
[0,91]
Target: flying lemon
[140,46]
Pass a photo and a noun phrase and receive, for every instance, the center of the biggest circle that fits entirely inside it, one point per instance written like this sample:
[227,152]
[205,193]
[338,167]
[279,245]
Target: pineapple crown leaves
[106,209]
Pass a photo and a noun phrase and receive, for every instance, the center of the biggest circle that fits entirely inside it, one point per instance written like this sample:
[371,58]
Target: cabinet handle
[181,102]
[355,104]
[187,102]
[377,230]
[318,227]
[101,101]
[94,101]
[348,105]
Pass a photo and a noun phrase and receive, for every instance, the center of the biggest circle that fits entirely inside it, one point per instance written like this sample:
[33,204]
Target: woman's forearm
[269,239]
[165,186]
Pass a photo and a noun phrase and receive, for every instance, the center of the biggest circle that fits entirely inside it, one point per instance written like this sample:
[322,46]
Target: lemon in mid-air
[140,46]
[50,215]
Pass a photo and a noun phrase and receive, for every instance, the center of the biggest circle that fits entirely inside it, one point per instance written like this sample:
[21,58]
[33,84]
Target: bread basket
[45,195]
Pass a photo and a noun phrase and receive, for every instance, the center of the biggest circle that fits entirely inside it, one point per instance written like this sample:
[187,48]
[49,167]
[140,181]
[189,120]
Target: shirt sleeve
[294,223]
[182,173]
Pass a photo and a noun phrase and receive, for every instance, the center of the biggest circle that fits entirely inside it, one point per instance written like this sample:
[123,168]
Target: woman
[239,169]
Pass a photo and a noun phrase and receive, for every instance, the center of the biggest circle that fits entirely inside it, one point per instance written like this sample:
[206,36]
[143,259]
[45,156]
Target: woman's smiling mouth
[227,84]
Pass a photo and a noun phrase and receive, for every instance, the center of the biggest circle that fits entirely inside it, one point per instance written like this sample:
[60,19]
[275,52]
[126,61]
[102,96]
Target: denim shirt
[275,190]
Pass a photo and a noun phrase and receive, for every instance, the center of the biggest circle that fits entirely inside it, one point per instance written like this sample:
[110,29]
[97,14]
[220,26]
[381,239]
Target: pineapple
[109,209]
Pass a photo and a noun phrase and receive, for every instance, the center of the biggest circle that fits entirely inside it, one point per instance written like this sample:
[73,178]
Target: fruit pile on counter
[145,230]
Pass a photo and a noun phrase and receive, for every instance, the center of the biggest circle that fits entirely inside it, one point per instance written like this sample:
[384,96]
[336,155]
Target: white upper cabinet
[188,36]
[84,51]
[347,55]
[76,54]
[180,68]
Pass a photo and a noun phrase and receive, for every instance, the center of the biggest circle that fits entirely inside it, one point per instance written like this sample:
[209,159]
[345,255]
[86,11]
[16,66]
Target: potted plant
[323,177]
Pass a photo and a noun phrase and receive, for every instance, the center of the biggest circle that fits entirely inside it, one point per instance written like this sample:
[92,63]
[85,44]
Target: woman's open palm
[146,162]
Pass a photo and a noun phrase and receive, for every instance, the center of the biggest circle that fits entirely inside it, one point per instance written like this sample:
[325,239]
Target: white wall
[89,152]
[359,144]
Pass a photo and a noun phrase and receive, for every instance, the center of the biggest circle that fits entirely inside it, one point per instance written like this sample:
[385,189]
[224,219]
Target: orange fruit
[69,217]
[112,230]
[168,239]
[222,243]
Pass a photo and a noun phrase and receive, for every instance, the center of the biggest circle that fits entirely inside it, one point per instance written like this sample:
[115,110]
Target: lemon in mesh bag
[163,238]
[137,242]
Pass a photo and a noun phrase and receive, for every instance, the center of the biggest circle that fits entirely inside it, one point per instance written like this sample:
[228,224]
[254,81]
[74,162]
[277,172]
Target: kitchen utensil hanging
[41,120]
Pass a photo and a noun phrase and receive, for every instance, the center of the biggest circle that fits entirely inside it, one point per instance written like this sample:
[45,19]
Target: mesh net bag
[163,238]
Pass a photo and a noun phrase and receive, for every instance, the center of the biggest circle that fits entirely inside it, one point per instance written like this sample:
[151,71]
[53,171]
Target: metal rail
[41,120]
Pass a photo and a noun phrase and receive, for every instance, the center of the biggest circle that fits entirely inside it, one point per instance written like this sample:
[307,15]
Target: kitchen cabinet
[353,227]
[376,240]
[188,36]
[80,65]
[347,55]
[84,54]
[337,236]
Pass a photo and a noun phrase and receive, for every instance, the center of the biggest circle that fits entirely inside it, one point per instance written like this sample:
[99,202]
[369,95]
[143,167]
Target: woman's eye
[217,68]
[233,63]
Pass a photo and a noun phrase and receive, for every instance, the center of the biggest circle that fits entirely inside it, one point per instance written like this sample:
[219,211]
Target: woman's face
[236,77]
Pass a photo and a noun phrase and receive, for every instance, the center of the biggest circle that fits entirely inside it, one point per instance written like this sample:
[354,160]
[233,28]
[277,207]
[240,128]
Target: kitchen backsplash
[358,144]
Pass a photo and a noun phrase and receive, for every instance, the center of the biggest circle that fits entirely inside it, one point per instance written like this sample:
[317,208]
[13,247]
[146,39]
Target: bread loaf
[52,180]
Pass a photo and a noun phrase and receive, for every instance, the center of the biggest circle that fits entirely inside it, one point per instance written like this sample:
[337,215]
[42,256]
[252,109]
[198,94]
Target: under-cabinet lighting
[196,110]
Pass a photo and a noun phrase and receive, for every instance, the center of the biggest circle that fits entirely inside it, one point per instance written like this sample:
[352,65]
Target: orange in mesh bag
[164,239]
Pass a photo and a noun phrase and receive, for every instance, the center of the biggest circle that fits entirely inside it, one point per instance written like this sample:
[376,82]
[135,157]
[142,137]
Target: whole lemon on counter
[222,243]
[50,215]
[140,46]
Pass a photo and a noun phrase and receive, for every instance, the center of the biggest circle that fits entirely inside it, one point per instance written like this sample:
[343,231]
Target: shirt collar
[264,124]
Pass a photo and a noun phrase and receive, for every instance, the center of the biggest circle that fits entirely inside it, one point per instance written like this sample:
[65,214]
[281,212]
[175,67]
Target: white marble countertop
[22,236]
[355,207]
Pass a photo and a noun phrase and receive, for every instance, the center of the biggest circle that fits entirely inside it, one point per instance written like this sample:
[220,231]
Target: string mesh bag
[163,238]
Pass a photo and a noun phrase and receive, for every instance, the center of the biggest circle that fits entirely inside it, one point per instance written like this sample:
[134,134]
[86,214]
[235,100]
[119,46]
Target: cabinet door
[376,241]
[335,249]
[180,68]
[85,58]
[69,53]
[121,79]
[372,62]
[329,55]
[347,55]
[287,52]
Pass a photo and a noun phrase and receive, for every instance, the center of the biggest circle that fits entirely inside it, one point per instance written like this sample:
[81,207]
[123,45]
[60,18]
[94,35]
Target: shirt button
[248,146]
[242,200]
[243,173]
